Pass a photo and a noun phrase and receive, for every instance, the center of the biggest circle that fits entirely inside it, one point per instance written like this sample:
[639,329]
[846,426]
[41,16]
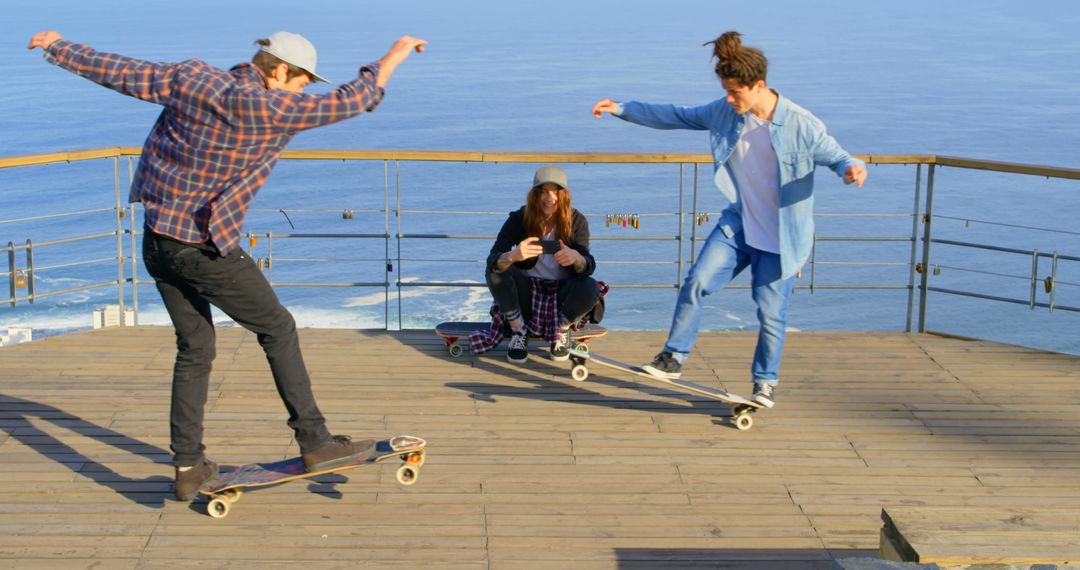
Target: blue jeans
[721,260]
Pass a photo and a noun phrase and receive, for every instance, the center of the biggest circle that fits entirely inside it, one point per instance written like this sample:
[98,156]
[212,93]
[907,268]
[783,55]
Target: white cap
[294,49]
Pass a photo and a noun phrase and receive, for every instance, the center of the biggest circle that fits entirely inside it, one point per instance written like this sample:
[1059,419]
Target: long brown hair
[535,223]
[747,65]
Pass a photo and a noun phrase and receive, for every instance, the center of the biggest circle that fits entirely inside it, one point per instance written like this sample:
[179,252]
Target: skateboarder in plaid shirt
[211,149]
[765,150]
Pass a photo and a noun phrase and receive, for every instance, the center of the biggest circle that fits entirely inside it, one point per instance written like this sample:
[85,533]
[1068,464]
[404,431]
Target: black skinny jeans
[190,279]
[576,297]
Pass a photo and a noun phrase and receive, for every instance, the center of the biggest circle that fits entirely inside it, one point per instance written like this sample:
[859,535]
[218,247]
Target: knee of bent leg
[588,286]
[196,352]
[281,322]
[696,285]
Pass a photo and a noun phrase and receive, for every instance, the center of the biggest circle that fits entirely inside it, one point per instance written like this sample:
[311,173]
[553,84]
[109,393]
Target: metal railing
[922,240]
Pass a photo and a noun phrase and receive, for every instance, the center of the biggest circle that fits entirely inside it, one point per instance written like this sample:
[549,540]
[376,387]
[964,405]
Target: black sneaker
[560,349]
[518,352]
[764,394]
[339,450]
[664,366]
[188,482]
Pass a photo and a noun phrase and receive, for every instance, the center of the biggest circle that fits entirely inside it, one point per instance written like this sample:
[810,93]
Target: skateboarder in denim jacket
[765,149]
[211,149]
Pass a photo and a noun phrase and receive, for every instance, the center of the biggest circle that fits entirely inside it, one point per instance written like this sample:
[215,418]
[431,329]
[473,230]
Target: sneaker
[189,482]
[560,349]
[339,450]
[764,394]
[664,366]
[518,352]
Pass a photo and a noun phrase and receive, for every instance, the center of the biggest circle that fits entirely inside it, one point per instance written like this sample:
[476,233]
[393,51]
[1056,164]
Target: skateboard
[452,331]
[226,488]
[741,408]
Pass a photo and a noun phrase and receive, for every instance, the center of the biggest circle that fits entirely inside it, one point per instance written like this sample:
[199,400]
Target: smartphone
[549,245]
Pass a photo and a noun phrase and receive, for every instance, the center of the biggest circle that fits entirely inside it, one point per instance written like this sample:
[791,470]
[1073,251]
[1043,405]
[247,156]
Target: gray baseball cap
[294,49]
[552,174]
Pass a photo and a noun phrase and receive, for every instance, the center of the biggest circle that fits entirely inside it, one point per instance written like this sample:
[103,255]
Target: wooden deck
[527,468]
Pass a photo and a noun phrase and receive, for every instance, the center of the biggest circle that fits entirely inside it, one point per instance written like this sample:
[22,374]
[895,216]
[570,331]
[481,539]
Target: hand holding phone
[550,245]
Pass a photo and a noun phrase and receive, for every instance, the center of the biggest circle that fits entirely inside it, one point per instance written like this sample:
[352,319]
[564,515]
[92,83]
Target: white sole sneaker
[657,373]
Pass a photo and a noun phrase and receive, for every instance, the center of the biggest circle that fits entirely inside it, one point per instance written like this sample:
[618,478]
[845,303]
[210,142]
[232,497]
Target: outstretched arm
[297,112]
[829,153]
[660,116]
[132,77]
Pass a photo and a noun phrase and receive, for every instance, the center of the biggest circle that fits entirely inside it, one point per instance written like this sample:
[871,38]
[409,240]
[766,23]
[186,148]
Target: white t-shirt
[754,169]
[546,267]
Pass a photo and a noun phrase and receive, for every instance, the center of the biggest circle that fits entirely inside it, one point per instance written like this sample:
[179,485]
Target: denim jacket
[800,142]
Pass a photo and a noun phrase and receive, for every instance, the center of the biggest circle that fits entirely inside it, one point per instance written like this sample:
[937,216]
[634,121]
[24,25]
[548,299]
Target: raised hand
[44,40]
[604,106]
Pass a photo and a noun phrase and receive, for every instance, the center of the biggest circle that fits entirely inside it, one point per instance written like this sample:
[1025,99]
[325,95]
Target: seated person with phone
[539,272]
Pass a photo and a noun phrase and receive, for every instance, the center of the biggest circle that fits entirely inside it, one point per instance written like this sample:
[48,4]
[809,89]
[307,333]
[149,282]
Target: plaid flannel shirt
[218,138]
[545,316]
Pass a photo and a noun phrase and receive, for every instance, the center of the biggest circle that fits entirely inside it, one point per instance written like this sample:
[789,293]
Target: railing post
[928,218]
[270,257]
[1052,284]
[694,217]
[118,214]
[397,184]
[914,247]
[1034,277]
[134,248]
[30,270]
[11,270]
[386,245]
[682,220]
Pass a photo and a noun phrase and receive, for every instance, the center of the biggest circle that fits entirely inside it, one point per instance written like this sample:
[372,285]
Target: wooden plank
[981,536]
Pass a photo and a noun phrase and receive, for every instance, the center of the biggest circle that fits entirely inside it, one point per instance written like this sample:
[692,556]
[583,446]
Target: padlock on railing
[20,279]
[253,241]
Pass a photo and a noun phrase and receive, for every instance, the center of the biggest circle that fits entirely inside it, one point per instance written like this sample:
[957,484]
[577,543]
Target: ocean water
[990,80]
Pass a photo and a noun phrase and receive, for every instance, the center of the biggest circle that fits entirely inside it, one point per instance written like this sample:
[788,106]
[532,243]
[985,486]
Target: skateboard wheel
[218,508]
[581,347]
[456,350]
[579,372]
[407,474]
[743,421]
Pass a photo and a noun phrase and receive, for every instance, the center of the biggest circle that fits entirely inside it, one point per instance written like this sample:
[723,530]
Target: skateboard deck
[226,488]
[741,408]
[452,331]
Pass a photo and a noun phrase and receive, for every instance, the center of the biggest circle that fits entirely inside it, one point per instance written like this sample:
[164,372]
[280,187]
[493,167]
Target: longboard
[741,408]
[226,488]
[452,331]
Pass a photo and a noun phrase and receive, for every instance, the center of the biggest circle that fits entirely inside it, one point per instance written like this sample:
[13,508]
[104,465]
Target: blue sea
[991,80]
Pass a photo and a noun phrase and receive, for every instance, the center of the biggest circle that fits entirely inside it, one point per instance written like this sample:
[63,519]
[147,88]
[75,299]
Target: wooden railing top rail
[556,157]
